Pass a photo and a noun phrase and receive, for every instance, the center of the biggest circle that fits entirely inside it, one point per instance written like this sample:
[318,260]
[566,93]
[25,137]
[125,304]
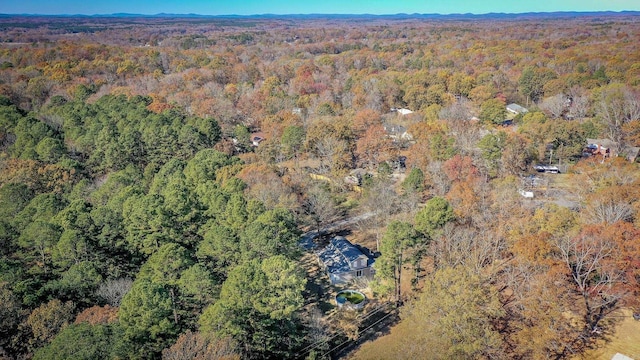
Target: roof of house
[619,356]
[257,135]
[340,254]
[602,142]
[517,108]
[256,138]
[395,129]
[629,152]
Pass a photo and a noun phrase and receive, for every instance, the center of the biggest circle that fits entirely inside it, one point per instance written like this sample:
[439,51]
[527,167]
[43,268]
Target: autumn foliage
[168,166]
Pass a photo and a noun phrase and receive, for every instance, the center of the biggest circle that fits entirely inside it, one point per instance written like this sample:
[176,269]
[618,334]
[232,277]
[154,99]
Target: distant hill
[400,16]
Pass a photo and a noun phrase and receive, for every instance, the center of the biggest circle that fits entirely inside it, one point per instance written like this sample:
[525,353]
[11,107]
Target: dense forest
[157,174]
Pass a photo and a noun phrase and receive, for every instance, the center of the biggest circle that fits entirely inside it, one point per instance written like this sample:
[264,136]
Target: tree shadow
[325,238]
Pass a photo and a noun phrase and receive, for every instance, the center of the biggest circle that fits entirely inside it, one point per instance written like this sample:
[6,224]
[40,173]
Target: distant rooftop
[517,109]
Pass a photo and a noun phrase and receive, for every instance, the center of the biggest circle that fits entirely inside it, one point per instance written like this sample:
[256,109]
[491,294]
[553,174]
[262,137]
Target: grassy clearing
[624,340]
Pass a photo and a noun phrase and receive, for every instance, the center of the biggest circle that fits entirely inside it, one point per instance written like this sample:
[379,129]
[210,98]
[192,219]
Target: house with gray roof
[516,109]
[345,262]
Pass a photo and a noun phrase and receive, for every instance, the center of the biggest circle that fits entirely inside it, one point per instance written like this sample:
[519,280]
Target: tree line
[161,241]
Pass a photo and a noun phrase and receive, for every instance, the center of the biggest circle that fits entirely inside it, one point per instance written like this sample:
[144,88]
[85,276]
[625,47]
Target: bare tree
[608,211]
[616,106]
[112,291]
[320,207]
[374,95]
[586,256]
[467,246]
[554,106]
[579,102]
[437,178]
[460,110]
[466,134]
[381,201]
[272,192]
[329,150]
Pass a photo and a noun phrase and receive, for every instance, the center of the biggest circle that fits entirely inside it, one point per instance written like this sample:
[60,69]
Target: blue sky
[249,7]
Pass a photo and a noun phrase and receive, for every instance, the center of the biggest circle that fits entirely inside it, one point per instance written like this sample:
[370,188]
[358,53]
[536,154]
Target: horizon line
[120,14]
